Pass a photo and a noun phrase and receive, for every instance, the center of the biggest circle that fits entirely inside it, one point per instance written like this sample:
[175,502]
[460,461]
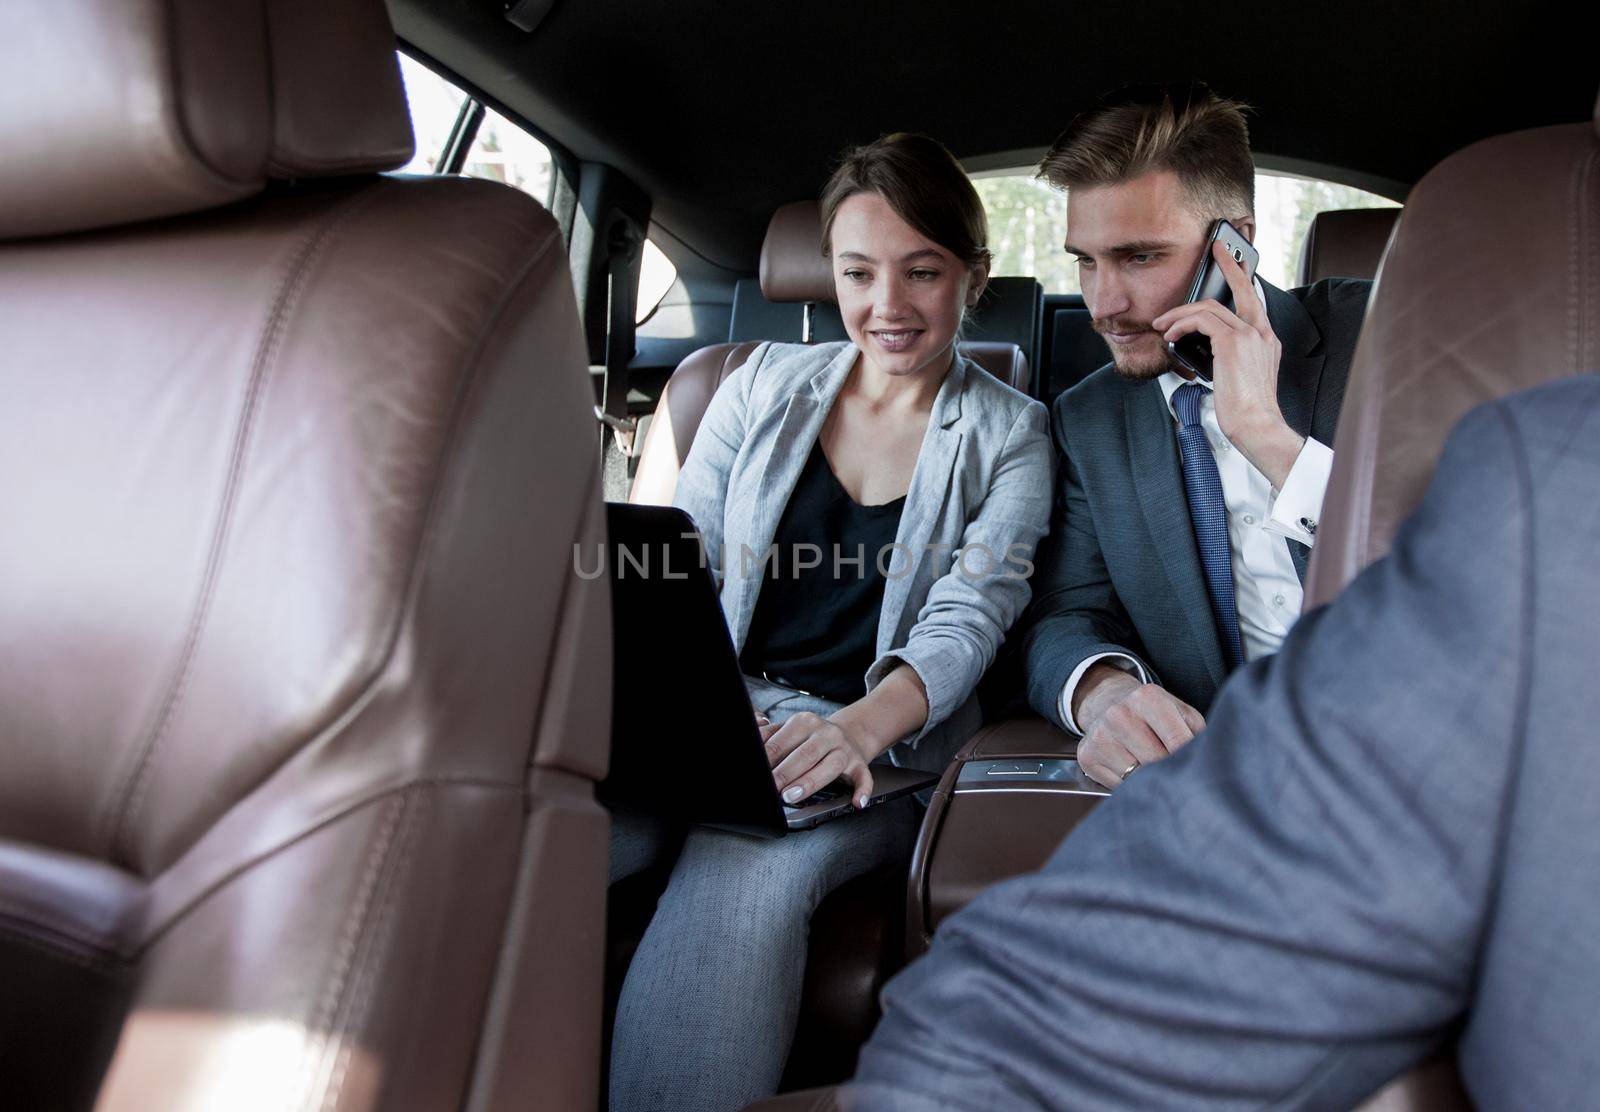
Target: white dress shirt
[1266,589]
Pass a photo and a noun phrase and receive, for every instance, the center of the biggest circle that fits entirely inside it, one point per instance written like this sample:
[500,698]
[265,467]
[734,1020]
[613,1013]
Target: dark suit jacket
[1387,837]
[1120,570]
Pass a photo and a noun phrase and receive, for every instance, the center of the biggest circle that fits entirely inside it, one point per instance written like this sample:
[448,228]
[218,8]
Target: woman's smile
[895,340]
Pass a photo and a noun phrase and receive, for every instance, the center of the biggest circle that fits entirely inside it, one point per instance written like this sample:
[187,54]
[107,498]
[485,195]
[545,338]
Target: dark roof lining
[768,95]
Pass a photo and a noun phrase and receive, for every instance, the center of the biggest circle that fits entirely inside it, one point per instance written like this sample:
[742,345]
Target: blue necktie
[1208,511]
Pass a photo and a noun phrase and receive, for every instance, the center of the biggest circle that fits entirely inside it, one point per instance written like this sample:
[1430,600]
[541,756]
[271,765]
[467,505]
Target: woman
[864,469]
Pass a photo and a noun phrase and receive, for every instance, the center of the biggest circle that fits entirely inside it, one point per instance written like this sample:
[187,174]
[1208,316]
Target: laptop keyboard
[826,795]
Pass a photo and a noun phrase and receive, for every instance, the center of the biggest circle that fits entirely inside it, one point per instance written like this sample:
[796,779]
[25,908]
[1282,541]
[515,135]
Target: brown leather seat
[1469,307]
[793,271]
[301,707]
[1346,243]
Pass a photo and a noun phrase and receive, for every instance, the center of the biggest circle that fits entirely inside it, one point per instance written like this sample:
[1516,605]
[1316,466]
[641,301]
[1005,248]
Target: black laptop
[684,740]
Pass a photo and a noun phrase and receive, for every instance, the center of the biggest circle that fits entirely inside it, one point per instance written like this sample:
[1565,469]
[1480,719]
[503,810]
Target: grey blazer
[979,502]
[1387,838]
[1121,572]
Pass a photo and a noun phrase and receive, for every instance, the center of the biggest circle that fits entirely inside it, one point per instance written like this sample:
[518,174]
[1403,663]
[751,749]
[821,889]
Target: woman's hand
[809,752]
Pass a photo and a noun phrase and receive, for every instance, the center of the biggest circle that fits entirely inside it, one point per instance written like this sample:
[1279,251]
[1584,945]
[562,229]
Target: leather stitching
[132,792]
[335,721]
[350,935]
[469,379]
[1581,296]
[371,962]
[1574,264]
[154,931]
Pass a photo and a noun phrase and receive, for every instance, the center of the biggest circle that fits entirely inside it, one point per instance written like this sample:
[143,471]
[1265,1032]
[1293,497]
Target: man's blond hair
[1184,128]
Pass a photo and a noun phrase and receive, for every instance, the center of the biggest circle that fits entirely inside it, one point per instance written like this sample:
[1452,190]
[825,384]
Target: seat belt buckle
[623,428]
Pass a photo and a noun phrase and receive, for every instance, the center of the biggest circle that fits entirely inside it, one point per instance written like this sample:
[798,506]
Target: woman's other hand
[809,752]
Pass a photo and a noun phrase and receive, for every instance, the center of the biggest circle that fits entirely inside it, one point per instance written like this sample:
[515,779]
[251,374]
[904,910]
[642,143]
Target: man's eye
[1140,260]
[1085,264]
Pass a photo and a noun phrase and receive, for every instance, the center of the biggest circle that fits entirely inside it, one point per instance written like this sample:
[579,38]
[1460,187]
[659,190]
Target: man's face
[1137,246]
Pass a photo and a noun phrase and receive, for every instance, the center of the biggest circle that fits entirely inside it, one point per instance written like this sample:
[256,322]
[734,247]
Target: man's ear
[1247,228]
[978,281]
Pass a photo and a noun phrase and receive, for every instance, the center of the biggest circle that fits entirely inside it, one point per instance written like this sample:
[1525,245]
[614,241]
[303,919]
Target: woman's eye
[923,275]
[856,275]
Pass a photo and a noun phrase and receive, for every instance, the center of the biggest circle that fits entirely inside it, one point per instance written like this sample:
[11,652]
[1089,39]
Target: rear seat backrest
[1468,307]
[683,403]
[793,271]
[1346,243]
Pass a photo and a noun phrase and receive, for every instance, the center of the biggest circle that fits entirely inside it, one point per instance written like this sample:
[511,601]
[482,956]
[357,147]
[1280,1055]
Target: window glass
[501,151]
[435,104]
[505,152]
[1028,222]
[1027,225]
[1285,206]
[656,275]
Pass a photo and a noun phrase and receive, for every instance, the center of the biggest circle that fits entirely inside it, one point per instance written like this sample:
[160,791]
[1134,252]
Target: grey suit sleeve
[969,609]
[1075,613]
[1290,910]
[702,490]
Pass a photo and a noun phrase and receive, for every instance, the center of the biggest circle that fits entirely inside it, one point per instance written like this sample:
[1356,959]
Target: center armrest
[1001,808]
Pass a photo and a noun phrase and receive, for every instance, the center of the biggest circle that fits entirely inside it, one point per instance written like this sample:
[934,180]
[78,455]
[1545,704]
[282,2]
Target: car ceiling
[722,111]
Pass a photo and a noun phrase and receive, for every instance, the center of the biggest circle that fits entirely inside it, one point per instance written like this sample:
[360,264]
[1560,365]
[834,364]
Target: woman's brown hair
[925,186]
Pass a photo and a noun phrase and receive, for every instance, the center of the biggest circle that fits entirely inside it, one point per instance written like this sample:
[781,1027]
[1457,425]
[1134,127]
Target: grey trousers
[709,1005]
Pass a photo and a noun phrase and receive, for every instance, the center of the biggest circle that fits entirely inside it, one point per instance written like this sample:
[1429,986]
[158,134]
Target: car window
[1028,221]
[434,104]
[656,275]
[1285,207]
[500,151]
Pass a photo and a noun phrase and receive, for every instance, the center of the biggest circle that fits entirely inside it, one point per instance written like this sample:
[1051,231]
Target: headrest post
[807,318]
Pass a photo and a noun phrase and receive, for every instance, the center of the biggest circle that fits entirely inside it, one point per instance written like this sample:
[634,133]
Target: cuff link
[1309,526]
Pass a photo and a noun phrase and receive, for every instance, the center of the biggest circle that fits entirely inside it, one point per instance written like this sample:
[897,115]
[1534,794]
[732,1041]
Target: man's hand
[809,752]
[1128,723]
[1245,353]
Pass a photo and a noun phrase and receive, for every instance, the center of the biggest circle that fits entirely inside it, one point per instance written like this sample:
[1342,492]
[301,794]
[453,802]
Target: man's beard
[1137,361]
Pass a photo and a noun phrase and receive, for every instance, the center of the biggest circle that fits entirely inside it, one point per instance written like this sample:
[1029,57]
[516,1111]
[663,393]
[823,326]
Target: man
[1185,513]
[1386,842]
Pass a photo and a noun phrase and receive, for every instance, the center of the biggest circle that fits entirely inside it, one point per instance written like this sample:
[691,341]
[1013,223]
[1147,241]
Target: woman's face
[901,294]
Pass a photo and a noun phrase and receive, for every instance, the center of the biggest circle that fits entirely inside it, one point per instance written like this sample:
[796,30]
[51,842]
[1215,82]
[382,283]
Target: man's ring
[1127,772]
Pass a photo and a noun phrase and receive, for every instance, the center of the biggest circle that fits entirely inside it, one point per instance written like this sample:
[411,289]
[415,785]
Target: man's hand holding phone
[1245,353]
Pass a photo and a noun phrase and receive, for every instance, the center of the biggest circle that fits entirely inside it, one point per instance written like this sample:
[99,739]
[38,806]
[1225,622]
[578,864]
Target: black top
[816,628]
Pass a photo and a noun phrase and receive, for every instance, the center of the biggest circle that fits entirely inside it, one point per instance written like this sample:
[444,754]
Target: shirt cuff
[1297,508]
[1121,660]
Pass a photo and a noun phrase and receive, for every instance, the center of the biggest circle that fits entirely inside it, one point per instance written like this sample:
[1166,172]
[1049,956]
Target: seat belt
[624,249]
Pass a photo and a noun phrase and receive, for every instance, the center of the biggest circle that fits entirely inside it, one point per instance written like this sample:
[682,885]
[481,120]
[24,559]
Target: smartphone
[1194,350]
